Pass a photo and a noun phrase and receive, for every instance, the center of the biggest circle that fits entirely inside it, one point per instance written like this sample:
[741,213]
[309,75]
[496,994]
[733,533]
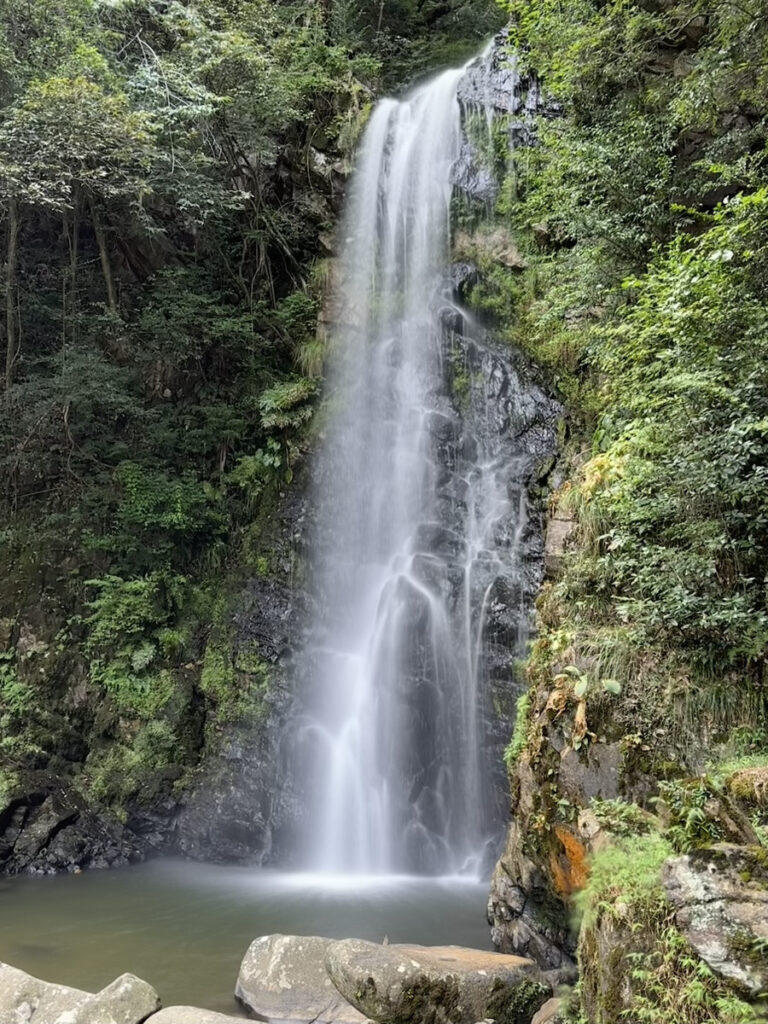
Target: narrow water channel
[184,927]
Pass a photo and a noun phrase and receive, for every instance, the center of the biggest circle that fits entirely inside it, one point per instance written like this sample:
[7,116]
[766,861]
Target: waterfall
[417,521]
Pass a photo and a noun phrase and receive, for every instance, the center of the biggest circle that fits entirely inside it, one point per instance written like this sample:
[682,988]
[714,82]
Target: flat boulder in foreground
[191,1015]
[436,984]
[291,979]
[283,980]
[28,1000]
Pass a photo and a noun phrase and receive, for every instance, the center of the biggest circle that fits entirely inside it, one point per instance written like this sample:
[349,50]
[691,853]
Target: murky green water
[184,927]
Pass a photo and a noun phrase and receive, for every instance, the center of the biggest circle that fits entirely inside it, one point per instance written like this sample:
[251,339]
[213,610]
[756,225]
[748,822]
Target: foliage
[17,699]
[118,774]
[690,821]
[627,872]
[659,975]
[158,292]
[641,217]
[520,734]
[129,636]
[621,818]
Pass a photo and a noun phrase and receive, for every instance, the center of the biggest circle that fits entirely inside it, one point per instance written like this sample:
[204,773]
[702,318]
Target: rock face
[284,978]
[45,828]
[559,531]
[606,987]
[501,410]
[243,795]
[27,1000]
[527,916]
[720,896]
[493,85]
[435,985]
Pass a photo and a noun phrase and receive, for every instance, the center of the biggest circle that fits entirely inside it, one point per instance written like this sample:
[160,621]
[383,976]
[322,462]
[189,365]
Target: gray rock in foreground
[28,1000]
[191,1015]
[720,896]
[283,978]
[436,984]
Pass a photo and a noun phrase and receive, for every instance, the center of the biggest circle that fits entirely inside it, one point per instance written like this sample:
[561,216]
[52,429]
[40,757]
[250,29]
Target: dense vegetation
[170,174]
[642,220]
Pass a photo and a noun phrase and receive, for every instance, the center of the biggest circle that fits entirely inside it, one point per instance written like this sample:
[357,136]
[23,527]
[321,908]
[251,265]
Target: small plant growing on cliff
[621,818]
[583,683]
[572,681]
[520,734]
[691,822]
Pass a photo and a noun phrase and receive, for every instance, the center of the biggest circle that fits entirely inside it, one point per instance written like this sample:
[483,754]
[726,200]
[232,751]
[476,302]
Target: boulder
[436,984]
[720,896]
[284,978]
[27,1000]
[549,1012]
[191,1015]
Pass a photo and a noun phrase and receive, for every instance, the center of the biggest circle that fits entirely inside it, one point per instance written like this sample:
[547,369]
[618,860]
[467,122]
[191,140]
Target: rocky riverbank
[312,980]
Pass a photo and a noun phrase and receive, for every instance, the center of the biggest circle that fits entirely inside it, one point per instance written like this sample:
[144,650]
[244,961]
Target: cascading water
[418,521]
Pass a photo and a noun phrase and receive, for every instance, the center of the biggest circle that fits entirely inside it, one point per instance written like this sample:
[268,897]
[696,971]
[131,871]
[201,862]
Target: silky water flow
[409,540]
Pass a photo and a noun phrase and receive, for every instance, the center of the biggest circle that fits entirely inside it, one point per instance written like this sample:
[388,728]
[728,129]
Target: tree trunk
[106,265]
[11,321]
[69,300]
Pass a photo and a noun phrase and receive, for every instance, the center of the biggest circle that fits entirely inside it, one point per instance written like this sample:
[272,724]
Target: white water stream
[395,771]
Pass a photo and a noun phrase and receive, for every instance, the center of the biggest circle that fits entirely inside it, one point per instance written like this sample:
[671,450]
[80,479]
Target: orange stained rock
[568,866]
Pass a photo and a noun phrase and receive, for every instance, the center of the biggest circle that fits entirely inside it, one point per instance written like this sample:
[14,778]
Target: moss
[423,1001]
[627,874]
[9,781]
[747,947]
[635,964]
[520,734]
[517,1005]
[121,772]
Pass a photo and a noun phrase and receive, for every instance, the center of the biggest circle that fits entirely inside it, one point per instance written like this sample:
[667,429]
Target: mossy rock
[435,984]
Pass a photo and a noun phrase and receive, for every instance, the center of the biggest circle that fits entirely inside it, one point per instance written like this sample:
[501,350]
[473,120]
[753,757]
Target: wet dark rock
[505,412]
[45,828]
[472,178]
[464,276]
[493,87]
[242,796]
